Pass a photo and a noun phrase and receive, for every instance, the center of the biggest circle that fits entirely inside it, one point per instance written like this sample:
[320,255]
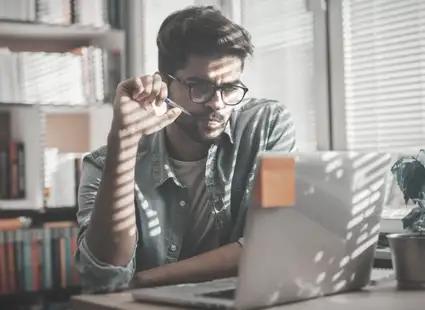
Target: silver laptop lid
[312,227]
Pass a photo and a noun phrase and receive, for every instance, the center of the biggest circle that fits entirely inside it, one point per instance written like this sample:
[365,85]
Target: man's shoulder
[260,106]
[263,122]
[253,110]
[98,156]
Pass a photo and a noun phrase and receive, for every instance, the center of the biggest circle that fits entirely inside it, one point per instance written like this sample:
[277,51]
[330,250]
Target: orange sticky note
[275,186]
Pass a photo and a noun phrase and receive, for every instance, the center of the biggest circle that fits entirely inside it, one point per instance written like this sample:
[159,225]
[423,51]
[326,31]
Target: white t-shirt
[201,235]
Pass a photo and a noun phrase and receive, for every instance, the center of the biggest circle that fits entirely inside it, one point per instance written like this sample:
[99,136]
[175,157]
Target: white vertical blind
[282,67]
[384,47]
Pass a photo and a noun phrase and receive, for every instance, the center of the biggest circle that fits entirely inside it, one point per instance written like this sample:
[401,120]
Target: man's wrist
[123,140]
[148,278]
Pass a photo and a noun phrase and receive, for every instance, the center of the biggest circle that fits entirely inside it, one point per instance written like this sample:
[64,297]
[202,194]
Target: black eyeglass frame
[215,87]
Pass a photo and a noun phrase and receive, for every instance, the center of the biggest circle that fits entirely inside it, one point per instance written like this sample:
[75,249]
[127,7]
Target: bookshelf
[37,264]
[68,117]
[60,62]
[58,38]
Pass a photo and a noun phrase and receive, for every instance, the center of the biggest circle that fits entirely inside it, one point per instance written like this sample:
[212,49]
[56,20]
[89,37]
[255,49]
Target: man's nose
[216,102]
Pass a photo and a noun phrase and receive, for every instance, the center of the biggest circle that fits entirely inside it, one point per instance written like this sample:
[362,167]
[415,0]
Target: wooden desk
[384,297]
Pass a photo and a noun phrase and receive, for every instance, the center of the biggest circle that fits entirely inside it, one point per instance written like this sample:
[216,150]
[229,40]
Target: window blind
[384,55]
[282,66]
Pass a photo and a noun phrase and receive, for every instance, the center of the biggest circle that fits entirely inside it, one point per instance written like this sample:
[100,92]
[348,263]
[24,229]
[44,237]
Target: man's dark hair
[202,31]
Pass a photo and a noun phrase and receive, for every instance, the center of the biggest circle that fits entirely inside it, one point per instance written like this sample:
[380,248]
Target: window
[380,57]
[384,63]
[284,66]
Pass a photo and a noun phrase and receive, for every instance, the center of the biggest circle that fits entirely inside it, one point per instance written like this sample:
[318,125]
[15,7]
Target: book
[38,259]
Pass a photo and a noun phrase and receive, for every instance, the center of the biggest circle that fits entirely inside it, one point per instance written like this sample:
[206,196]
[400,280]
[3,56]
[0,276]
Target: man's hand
[134,106]
[220,263]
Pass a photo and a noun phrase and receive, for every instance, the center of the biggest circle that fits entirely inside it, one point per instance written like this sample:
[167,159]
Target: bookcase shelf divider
[16,35]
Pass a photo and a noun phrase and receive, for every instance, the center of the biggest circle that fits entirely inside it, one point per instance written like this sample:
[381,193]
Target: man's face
[209,119]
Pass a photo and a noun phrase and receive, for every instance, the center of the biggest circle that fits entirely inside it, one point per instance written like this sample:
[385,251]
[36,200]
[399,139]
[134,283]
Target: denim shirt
[160,199]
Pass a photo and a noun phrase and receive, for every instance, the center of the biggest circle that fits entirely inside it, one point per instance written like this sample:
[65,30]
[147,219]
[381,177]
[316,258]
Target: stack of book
[74,77]
[97,13]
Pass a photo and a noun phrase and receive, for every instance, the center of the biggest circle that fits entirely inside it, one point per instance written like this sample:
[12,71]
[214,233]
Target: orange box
[275,186]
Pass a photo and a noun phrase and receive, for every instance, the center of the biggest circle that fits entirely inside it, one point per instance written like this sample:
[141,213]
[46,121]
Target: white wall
[100,123]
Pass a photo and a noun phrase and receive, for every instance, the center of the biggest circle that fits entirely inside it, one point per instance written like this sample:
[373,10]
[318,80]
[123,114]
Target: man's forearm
[111,234]
[220,263]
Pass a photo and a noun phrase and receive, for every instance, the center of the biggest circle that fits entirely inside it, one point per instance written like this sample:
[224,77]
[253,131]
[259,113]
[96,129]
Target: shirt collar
[228,131]
[161,168]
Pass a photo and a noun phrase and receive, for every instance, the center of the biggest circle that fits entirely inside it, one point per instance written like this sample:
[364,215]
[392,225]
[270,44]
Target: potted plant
[408,249]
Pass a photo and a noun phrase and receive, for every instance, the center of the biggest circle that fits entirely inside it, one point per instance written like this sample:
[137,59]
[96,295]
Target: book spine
[3,268]
[13,172]
[19,263]
[27,255]
[21,170]
[10,249]
[47,259]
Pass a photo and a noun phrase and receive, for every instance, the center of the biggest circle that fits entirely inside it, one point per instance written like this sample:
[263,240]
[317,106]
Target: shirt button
[173,248]
[182,203]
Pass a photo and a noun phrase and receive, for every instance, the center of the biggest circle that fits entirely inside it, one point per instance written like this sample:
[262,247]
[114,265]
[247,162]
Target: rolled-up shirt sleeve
[95,276]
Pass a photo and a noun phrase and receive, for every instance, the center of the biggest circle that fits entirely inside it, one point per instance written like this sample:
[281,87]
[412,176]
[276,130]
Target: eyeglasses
[203,92]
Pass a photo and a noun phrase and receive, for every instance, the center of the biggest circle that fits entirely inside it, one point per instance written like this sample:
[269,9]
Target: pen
[175,105]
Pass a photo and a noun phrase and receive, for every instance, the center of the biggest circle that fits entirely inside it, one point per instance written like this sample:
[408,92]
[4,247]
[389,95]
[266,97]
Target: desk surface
[384,296]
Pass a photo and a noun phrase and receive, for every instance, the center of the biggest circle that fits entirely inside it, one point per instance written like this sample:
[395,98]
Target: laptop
[311,230]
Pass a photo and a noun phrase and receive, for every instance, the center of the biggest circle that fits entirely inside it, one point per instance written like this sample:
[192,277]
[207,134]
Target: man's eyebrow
[199,79]
[233,83]
[207,80]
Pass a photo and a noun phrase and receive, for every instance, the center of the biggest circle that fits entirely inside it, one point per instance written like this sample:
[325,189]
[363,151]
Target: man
[164,202]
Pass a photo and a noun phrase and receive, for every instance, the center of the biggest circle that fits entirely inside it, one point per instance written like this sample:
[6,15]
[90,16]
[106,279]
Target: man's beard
[192,126]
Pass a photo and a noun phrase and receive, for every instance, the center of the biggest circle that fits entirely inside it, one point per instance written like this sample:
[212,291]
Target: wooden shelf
[16,204]
[70,109]
[57,108]
[43,215]
[16,104]
[55,295]
[42,37]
